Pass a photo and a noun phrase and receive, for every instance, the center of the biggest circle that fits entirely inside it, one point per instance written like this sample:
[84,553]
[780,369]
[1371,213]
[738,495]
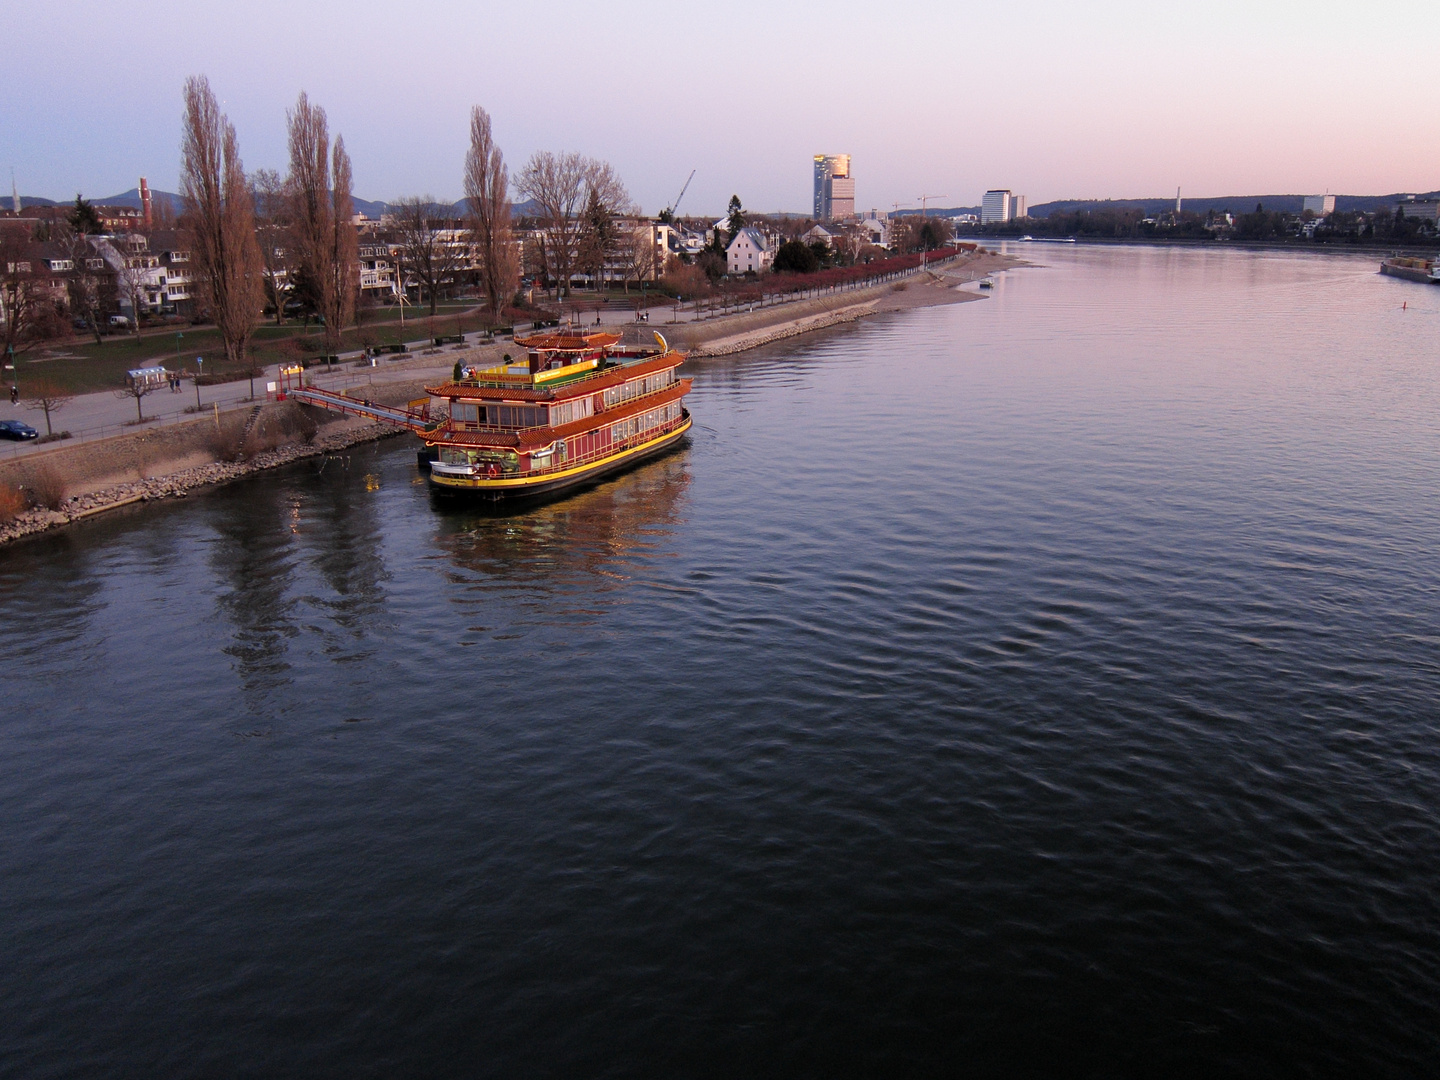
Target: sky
[1051,99]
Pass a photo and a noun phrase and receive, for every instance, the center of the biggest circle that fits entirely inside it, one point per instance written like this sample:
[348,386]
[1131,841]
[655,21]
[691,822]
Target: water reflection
[254,554]
[566,559]
[341,530]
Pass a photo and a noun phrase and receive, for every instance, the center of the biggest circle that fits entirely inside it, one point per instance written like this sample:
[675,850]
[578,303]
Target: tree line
[267,239]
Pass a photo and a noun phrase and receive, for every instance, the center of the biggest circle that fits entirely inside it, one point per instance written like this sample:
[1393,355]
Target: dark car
[14,429]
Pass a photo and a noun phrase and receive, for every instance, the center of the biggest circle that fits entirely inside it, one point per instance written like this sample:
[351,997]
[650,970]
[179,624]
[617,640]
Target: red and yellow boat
[576,408]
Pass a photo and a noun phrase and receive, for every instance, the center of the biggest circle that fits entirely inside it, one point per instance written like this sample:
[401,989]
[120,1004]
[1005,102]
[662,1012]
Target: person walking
[14,394]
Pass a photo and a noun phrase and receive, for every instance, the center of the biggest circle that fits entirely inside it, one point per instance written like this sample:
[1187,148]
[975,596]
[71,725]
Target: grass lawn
[82,367]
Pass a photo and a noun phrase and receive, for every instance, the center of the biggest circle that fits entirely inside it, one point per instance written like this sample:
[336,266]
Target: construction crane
[671,209]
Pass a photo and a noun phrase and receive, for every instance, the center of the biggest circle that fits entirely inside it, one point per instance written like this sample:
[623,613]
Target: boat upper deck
[516,382]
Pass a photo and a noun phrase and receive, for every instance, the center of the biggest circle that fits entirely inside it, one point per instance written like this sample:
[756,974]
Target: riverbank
[81,481]
[748,330]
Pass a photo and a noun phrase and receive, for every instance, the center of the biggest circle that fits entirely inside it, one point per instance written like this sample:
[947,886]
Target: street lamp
[199,370]
[14,366]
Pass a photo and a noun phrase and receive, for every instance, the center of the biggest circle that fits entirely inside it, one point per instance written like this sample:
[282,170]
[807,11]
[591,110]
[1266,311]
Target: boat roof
[569,341]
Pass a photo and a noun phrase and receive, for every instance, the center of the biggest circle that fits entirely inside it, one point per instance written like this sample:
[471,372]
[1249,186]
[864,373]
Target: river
[1050,682]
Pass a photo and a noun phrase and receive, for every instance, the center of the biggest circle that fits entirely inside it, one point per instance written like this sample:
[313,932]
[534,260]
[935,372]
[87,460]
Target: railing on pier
[412,420]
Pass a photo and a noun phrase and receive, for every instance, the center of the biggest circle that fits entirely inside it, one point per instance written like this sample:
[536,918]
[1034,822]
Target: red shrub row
[846,275]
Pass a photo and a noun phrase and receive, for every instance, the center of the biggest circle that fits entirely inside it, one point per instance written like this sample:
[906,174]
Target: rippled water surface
[1045,682]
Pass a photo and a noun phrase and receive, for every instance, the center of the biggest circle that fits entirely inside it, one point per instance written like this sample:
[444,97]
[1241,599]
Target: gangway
[412,419]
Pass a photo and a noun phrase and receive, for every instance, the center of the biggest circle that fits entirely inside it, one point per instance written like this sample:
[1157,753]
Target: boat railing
[609,449]
[527,382]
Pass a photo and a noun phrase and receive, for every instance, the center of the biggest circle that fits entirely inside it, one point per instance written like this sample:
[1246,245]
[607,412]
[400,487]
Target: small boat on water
[987,283]
[576,408]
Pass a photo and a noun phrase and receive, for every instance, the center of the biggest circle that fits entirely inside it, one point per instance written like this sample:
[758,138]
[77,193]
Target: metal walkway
[385,414]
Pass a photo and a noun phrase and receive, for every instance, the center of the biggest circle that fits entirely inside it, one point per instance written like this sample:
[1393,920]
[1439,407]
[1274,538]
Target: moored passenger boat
[577,407]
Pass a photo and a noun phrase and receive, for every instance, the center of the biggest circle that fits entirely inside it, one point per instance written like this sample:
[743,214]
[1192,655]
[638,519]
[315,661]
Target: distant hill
[1234,204]
[125,198]
[373,209]
[132,198]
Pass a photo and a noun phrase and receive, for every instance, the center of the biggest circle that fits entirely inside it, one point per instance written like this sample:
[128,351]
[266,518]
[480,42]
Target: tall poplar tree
[219,220]
[329,251]
[487,193]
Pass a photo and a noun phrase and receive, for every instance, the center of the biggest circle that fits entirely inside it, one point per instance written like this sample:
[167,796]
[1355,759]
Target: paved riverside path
[105,414]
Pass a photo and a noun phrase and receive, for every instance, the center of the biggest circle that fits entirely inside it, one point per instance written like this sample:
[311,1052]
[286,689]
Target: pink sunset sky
[1055,100]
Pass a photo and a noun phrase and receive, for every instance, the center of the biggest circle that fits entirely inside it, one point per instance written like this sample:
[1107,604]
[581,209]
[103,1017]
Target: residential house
[378,270]
[750,252]
[168,245]
[819,235]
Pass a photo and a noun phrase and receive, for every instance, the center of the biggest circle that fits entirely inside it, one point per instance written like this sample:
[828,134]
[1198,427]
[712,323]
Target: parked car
[14,429]
[119,322]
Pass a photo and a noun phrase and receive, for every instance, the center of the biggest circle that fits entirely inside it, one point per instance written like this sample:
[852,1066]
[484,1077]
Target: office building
[1320,205]
[830,168]
[995,207]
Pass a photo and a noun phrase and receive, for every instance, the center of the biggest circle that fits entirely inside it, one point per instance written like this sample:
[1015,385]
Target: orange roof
[568,342]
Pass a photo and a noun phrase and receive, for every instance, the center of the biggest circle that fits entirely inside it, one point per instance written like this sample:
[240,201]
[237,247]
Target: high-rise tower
[834,187]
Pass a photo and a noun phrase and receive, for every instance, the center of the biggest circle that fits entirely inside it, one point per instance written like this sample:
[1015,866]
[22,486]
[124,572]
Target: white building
[1002,205]
[1320,205]
[749,252]
[995,207]
[877,227]
[819,235]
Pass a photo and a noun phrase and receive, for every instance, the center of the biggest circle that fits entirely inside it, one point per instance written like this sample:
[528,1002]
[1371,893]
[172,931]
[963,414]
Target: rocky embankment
[179,484]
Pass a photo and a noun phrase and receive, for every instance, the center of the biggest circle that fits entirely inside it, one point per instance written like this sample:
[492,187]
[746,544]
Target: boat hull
[527,487]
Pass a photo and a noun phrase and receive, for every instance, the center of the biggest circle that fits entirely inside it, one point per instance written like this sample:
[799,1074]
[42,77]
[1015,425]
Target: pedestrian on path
[14,394]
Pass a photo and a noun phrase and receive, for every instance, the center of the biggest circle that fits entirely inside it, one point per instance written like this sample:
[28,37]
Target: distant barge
[1421,270]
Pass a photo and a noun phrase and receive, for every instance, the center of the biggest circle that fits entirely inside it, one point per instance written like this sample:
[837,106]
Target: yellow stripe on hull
[527,483]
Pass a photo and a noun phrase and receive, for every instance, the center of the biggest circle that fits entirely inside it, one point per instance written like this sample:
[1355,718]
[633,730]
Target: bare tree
[427,243]
[273,204]
[139,391]
[130,277]
[27,313]
[87,281]
[44,396]
[326,241]
[639,256]
[556,183]
[605,200]
[219,220]
[487,193]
